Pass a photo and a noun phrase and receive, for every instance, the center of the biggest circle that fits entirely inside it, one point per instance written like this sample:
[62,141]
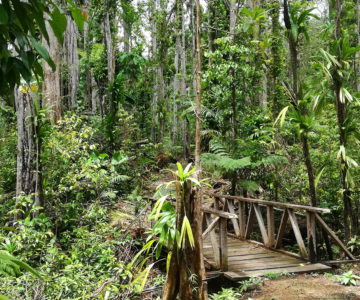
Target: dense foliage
[280,120]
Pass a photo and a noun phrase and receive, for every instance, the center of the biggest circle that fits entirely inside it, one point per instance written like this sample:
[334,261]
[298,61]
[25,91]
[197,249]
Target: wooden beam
[260,220]
[270,226]
[273,203]
[235,223]
[311,236]
[242,219]
[299,239]
[334,237]
[214,242]
[250,222]
[283,223]
[219,213]
[223,245]
[210,227]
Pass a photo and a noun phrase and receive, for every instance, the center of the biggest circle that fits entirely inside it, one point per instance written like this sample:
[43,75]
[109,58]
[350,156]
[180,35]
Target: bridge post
[311,236]
[223,245]
[270,225]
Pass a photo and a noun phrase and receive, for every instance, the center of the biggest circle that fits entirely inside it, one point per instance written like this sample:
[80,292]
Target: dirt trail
[304,287]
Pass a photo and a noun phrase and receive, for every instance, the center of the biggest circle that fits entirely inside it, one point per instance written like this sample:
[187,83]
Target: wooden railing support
[283,223]
[250,222]
[334,237]
[223,245]
[242,219]
[311,236]
[299,239]
[270,226]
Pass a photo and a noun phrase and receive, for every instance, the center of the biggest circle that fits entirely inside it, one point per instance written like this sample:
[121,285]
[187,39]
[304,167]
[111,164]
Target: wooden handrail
[219,213]
[271,203]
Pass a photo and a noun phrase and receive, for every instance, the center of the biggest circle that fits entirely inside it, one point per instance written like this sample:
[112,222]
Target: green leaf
[281,116]
[168,261]
[58,24]
[3,15]
[2,297]
[43,52]
[77,15]
[318,177]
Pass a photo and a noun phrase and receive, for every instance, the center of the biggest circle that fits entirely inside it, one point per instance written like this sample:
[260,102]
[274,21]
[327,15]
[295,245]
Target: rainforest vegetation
[101,100]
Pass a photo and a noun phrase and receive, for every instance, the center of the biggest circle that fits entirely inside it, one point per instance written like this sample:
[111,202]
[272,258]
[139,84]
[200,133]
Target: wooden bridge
[229,224]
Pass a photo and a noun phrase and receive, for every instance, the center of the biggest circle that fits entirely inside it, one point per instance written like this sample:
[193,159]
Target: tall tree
[72,59]
[341,114]
[28,172]
[51,91]
[293,47]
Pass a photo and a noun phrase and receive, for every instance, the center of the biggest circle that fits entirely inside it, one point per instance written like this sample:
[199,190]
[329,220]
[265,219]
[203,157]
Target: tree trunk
[294,71]
[72,59]
[127,34]
[357,55]
[155,99]
[187,261]
[177,70]
[28,172]
[233,16]
[51,92]
[86,42]
[109,45]
[341,117]
[183,85]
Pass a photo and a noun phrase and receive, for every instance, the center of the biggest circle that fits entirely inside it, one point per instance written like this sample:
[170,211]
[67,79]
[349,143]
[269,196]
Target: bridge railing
[242,213]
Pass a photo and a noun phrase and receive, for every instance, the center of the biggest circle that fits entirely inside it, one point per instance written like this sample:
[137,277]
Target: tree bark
[177,70]
[155,93]
[233,16]
[109,44]
[72,59]
[51,83]
[28,172]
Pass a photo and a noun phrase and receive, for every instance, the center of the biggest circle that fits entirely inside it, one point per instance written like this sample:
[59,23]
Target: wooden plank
[250,222]
[311,236]
[210,227]
[334,237]
[299,239]
[230,204]
[298,269]
[270,226]
[223,245]
[282,229]
[214,242]
[242,219]
[219,213]
[261,224]
[273,203]
[235,276]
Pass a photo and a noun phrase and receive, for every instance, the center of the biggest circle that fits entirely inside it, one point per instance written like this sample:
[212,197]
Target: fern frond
[10,266]
[217,148]
[224,163]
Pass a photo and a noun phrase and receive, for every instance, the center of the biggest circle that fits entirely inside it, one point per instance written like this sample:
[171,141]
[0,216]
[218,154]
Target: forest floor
[304,286]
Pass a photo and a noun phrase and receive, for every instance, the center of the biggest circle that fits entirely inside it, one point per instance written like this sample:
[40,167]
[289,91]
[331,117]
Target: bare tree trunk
[109,45]
[86,42]
[28,172]
[72,59]
[51,84]
[183,85]
[155,98]
[177,70]
[233,16]
[127,34]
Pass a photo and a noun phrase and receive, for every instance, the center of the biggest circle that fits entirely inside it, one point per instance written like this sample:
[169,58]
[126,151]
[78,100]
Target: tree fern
[218,148]
[224,163]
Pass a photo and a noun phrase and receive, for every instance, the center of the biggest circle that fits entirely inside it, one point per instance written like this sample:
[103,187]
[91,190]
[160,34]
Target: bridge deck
[246,259]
